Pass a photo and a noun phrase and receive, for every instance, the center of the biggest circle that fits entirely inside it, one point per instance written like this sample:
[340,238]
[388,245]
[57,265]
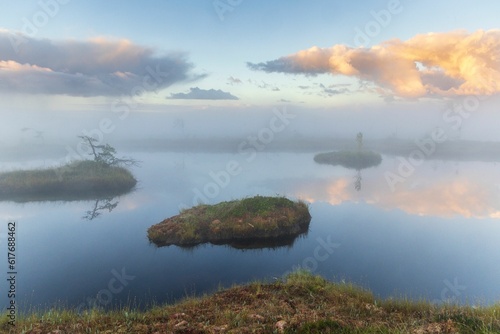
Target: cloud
[96,67]
[264,85]
[233,81]
[329,91]
[196,93]
[434,64]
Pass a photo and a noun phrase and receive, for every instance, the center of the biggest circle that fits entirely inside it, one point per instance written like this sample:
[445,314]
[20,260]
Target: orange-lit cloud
[434,64]
[16,67]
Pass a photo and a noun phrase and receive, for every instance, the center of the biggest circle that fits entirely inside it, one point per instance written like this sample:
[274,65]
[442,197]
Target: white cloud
[233,81]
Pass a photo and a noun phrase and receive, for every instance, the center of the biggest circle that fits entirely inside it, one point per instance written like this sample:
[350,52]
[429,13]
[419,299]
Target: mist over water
[52,135]
[421,219]
[410,241]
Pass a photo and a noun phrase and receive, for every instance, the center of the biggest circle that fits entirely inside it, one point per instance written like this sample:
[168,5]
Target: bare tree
[359,139]
[105,154]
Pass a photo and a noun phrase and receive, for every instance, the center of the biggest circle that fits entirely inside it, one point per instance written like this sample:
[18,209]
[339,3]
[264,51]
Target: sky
[330,57]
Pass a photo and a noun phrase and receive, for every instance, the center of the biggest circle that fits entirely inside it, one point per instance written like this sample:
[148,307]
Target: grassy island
[251,219]
[301,303]
[78,180]
[360,159]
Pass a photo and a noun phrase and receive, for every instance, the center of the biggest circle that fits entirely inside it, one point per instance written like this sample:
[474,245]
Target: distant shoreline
[457,150]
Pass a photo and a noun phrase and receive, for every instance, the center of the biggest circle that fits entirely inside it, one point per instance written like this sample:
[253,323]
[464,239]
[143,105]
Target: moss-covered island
[359,159]
[78,180]
[257,219]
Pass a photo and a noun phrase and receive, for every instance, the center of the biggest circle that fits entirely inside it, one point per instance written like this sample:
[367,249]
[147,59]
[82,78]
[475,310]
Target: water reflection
[254,244]
[357,183]
[99,206]
[446,198]
[390,241]
[436,188]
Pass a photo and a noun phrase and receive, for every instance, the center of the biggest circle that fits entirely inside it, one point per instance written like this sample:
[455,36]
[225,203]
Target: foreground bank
[301,303]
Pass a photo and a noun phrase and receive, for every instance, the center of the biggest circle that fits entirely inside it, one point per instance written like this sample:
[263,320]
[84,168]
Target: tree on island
[357,183]
[359,139]
[105,154]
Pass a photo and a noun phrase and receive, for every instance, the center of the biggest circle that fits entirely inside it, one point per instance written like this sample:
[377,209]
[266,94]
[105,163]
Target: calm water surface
[435,235]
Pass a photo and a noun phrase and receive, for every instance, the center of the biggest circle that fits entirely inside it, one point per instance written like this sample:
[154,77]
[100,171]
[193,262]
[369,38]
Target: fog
[52,134]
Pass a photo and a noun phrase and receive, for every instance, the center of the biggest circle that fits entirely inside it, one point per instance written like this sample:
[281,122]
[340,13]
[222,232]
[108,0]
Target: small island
[350,159]
[78,180]
[257,219]
[358,160]
[103,177]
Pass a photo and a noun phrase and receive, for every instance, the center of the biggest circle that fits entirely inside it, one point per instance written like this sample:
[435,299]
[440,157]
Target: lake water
[435,236]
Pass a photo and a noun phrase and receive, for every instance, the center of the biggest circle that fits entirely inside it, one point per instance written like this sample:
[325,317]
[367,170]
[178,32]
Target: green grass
[257,217]
[77,180]
[301,303]
[350,159]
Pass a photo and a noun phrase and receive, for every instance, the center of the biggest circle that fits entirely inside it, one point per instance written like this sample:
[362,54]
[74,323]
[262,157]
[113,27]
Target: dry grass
[301,304]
